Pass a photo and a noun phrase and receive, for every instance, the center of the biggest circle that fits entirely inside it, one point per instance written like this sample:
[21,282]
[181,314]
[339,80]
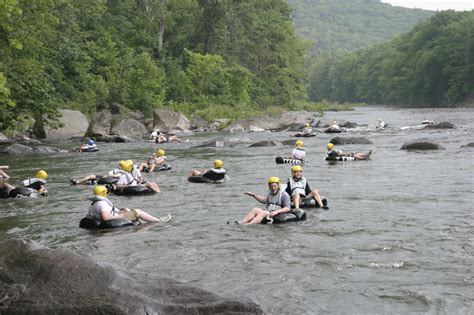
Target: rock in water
[265,143]
[421,145]
[441,125]
[350,140]
[38,280]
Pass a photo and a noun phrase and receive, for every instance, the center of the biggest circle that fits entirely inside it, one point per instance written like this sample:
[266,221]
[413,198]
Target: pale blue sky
[434,4]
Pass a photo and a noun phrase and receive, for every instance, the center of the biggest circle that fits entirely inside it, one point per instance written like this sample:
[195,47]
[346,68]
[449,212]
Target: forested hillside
[350,25]
[200,56]
[432,65]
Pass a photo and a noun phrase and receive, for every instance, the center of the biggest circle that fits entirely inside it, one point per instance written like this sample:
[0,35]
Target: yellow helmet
[42,174]
[296,168]
[380,119]
[273,179]
[218,164]
[100,190]
[126,165]
[308,125]
[160,152]
[330,146]
[299,143]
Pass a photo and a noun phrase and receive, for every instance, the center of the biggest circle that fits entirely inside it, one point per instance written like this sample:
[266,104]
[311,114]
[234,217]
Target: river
[398,238]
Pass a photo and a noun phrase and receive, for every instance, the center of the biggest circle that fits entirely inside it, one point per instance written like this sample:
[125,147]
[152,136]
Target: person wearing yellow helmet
[333,154]
[131,176]
[38,183]
[156,161]
[333,128]
[215,174]
[277,201]
[298,188]
[381,124]
[160,137]
[299,152]
[102,209]
[307,130]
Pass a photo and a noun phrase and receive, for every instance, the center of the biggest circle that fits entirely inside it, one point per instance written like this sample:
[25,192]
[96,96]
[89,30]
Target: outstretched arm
[261,199]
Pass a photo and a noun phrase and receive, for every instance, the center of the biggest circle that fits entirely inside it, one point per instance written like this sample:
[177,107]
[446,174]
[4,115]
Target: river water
[398,237]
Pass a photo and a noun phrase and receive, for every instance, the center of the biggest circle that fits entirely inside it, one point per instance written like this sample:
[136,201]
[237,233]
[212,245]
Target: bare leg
[362,156]
[253,215]
[3,175]
[142,215]
[142,166]
[151,167]
[85,179]
[195,173]
[153,186]
[6,186]
[315,194]
[297,200]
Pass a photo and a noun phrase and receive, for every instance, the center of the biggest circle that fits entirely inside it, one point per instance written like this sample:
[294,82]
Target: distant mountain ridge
[351,24]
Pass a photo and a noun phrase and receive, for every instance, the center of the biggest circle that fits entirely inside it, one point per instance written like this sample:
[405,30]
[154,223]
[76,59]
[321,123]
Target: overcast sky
[434,4]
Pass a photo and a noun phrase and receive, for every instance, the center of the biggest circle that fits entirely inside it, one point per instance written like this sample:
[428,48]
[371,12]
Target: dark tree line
[432,65]
[194,55]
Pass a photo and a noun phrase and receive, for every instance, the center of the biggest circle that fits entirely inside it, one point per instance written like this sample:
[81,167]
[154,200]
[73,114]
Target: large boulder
[421,145]
[262,122]
[235,127]
[73,124]
[350,140]
[122,111]
[20,149]
[116,123]
[38,280]
[129,128]
[292,119]
[100,126]
[441,125]
[168,120]
[4,139]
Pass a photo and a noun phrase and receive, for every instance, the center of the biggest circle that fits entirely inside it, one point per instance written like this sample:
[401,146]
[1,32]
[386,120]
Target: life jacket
[130,180]
[297,186]
[298,152]
[115,171]
[215,174]
[96,199]
[32,181]
[334,152]
[274,201]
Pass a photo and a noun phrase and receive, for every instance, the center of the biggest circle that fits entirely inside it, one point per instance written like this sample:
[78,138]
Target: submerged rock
[215,144]
[469,145]
[38,280]
[20,149]
[441,125]
[421,145]
[350,140]
[265,143]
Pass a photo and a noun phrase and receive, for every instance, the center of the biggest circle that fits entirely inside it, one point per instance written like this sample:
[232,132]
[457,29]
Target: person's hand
[273,213]
[248,193]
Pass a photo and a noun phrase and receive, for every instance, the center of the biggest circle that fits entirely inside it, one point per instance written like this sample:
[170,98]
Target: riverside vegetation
[214,59]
